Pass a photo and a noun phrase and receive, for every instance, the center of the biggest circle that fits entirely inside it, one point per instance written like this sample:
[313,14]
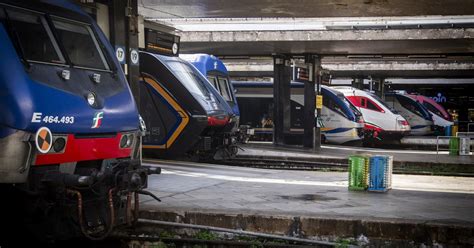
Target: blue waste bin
[447,130]
[380,173]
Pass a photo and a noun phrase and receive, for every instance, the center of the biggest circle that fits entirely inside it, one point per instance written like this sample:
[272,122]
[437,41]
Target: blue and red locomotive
[70,135]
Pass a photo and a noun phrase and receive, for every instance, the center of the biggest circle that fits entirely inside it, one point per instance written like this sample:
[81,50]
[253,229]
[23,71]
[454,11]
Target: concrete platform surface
[429,141]
[343,152]
[335,158]
[189,190]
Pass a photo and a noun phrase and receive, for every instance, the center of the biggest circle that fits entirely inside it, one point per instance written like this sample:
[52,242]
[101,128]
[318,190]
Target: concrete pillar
[358,83]
[124,32]
[317,81]
[379,87]
[281,98]
[309,105]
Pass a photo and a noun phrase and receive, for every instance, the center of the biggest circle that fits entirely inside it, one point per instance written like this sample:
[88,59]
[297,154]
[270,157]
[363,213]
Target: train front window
[80,44]
[224,89]
[433,109]
[333,105]
[34,37]
[372,106]
[189,78]
[409,104]
[351,106]
[213,81]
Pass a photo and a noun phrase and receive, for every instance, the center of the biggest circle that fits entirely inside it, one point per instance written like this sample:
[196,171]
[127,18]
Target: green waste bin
[358,172]
[454,146]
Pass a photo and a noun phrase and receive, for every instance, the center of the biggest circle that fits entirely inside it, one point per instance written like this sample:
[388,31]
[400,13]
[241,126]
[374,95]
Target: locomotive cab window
[333,105]
[189,78]
[213,81]
[224,89]
[33,37]
[433,109]
[409,105]
[372,106]
[80,44]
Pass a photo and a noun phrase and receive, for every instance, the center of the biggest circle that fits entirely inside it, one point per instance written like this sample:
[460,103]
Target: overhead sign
[120,54]
[134,56]
[161,42]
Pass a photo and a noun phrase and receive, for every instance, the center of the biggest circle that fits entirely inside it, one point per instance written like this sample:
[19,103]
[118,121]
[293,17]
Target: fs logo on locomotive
[97,121]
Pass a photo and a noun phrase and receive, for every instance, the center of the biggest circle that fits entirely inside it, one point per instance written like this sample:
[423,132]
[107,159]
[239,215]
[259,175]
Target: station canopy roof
[301,8]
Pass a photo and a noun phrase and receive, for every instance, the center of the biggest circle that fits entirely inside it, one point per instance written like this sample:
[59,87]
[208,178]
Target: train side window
[372,106]
[34,37]
[225,90]
[363,102]
[213,81]
[80,44]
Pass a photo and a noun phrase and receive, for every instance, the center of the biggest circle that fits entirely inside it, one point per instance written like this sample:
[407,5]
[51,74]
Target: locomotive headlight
[59,144]
[91,99]
[130,140]
[126,141]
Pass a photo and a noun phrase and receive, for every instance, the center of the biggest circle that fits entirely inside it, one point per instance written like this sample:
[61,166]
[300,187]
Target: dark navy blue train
[184,113]
[69,128]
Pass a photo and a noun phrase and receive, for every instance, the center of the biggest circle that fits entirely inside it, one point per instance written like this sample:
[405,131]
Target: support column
[309,105]
[281,98]
[317,81]
[124,33]
[379,87]
[358,83]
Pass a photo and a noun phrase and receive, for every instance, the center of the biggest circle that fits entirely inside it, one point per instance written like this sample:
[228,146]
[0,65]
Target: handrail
[469,126]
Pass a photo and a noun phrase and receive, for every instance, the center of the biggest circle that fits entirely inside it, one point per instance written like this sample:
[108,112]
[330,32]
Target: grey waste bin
[464,146]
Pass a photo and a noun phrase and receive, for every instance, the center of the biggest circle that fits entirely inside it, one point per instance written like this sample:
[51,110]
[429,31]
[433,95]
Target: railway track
[149,233]
[286,164]
[341,165]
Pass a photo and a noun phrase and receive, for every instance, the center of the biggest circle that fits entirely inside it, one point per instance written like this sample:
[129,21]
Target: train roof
[333,94]
[205,62]
[432,102]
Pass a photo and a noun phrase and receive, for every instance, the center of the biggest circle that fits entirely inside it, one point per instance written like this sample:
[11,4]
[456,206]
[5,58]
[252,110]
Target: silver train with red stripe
[382,122]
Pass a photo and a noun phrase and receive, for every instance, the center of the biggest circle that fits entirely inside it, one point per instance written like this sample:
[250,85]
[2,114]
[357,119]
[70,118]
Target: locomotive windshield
[351,106]
[189,78]
[434,109]
[383,103]
[34,40]
[224,89]
[222,85]
[26,27]
[80,44]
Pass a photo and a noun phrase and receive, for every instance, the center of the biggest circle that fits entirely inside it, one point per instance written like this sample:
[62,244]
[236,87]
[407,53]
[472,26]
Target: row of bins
[370,172]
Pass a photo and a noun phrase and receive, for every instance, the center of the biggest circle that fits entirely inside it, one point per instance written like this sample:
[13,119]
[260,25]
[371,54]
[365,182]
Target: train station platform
[419,210]
[427,142]
[329,157]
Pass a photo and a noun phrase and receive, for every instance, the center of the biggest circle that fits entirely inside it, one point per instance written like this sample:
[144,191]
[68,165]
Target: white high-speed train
[341,122]
[381,121]
[419,118]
